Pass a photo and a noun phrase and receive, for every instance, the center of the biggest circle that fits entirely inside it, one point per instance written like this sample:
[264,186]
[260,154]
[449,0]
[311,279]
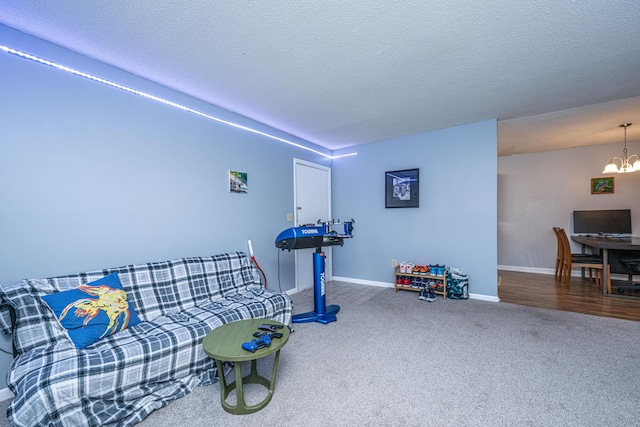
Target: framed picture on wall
[602,185]
[402,188]
[238,182]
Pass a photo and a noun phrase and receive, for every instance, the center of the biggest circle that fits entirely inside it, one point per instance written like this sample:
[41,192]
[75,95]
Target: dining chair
[560,254]
[571,261]
[560,262]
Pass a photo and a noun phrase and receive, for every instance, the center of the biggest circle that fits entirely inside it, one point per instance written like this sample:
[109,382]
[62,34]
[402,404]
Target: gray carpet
[393,360]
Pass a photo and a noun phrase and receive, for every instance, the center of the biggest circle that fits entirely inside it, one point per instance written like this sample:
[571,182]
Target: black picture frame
[402,188]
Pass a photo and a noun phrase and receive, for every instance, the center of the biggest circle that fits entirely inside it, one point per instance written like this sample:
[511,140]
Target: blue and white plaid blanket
[122,378]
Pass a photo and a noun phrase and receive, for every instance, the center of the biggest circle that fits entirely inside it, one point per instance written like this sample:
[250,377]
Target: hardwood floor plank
[542,290]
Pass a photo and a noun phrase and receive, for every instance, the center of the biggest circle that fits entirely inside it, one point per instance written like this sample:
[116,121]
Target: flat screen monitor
[607,222]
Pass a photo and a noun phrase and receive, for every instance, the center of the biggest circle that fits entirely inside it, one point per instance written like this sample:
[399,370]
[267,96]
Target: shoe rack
[438,279]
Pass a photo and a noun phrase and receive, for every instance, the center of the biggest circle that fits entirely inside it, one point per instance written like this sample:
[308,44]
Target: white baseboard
[483,297]
[390,285]
[574,273]
[363,282]
[5,394]
[536,270]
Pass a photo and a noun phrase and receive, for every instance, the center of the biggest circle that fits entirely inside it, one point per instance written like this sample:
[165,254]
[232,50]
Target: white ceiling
[556,73]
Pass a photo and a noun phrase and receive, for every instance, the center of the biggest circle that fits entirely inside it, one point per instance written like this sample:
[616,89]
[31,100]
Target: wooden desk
[604,244]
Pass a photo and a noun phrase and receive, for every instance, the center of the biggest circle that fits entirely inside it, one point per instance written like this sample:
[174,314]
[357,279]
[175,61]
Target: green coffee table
[224,344]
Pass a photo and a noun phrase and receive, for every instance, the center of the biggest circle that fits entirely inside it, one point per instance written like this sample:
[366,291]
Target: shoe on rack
[403,267]
[433,270]
[431,296]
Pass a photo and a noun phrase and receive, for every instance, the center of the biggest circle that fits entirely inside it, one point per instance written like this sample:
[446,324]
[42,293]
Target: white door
[312,200]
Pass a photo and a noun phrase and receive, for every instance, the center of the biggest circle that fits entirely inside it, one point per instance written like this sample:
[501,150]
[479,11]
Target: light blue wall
[455,223]
[92,177]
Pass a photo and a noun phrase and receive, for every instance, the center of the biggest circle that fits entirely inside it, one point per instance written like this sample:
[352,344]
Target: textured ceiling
[556,74]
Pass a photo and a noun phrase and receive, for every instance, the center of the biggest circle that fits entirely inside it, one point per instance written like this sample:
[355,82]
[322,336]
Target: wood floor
[541,290]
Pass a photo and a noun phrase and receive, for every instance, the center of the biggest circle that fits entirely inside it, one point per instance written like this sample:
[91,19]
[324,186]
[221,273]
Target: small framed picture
[402,189]
[238,182]
[602,185]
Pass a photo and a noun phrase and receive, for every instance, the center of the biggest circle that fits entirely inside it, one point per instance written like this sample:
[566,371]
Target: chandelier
[626,164]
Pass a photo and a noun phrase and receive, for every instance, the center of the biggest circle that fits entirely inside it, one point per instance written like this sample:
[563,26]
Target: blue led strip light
[158,99]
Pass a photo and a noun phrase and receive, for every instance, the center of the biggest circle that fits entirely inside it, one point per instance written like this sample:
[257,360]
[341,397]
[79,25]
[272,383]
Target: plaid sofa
[122,378]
